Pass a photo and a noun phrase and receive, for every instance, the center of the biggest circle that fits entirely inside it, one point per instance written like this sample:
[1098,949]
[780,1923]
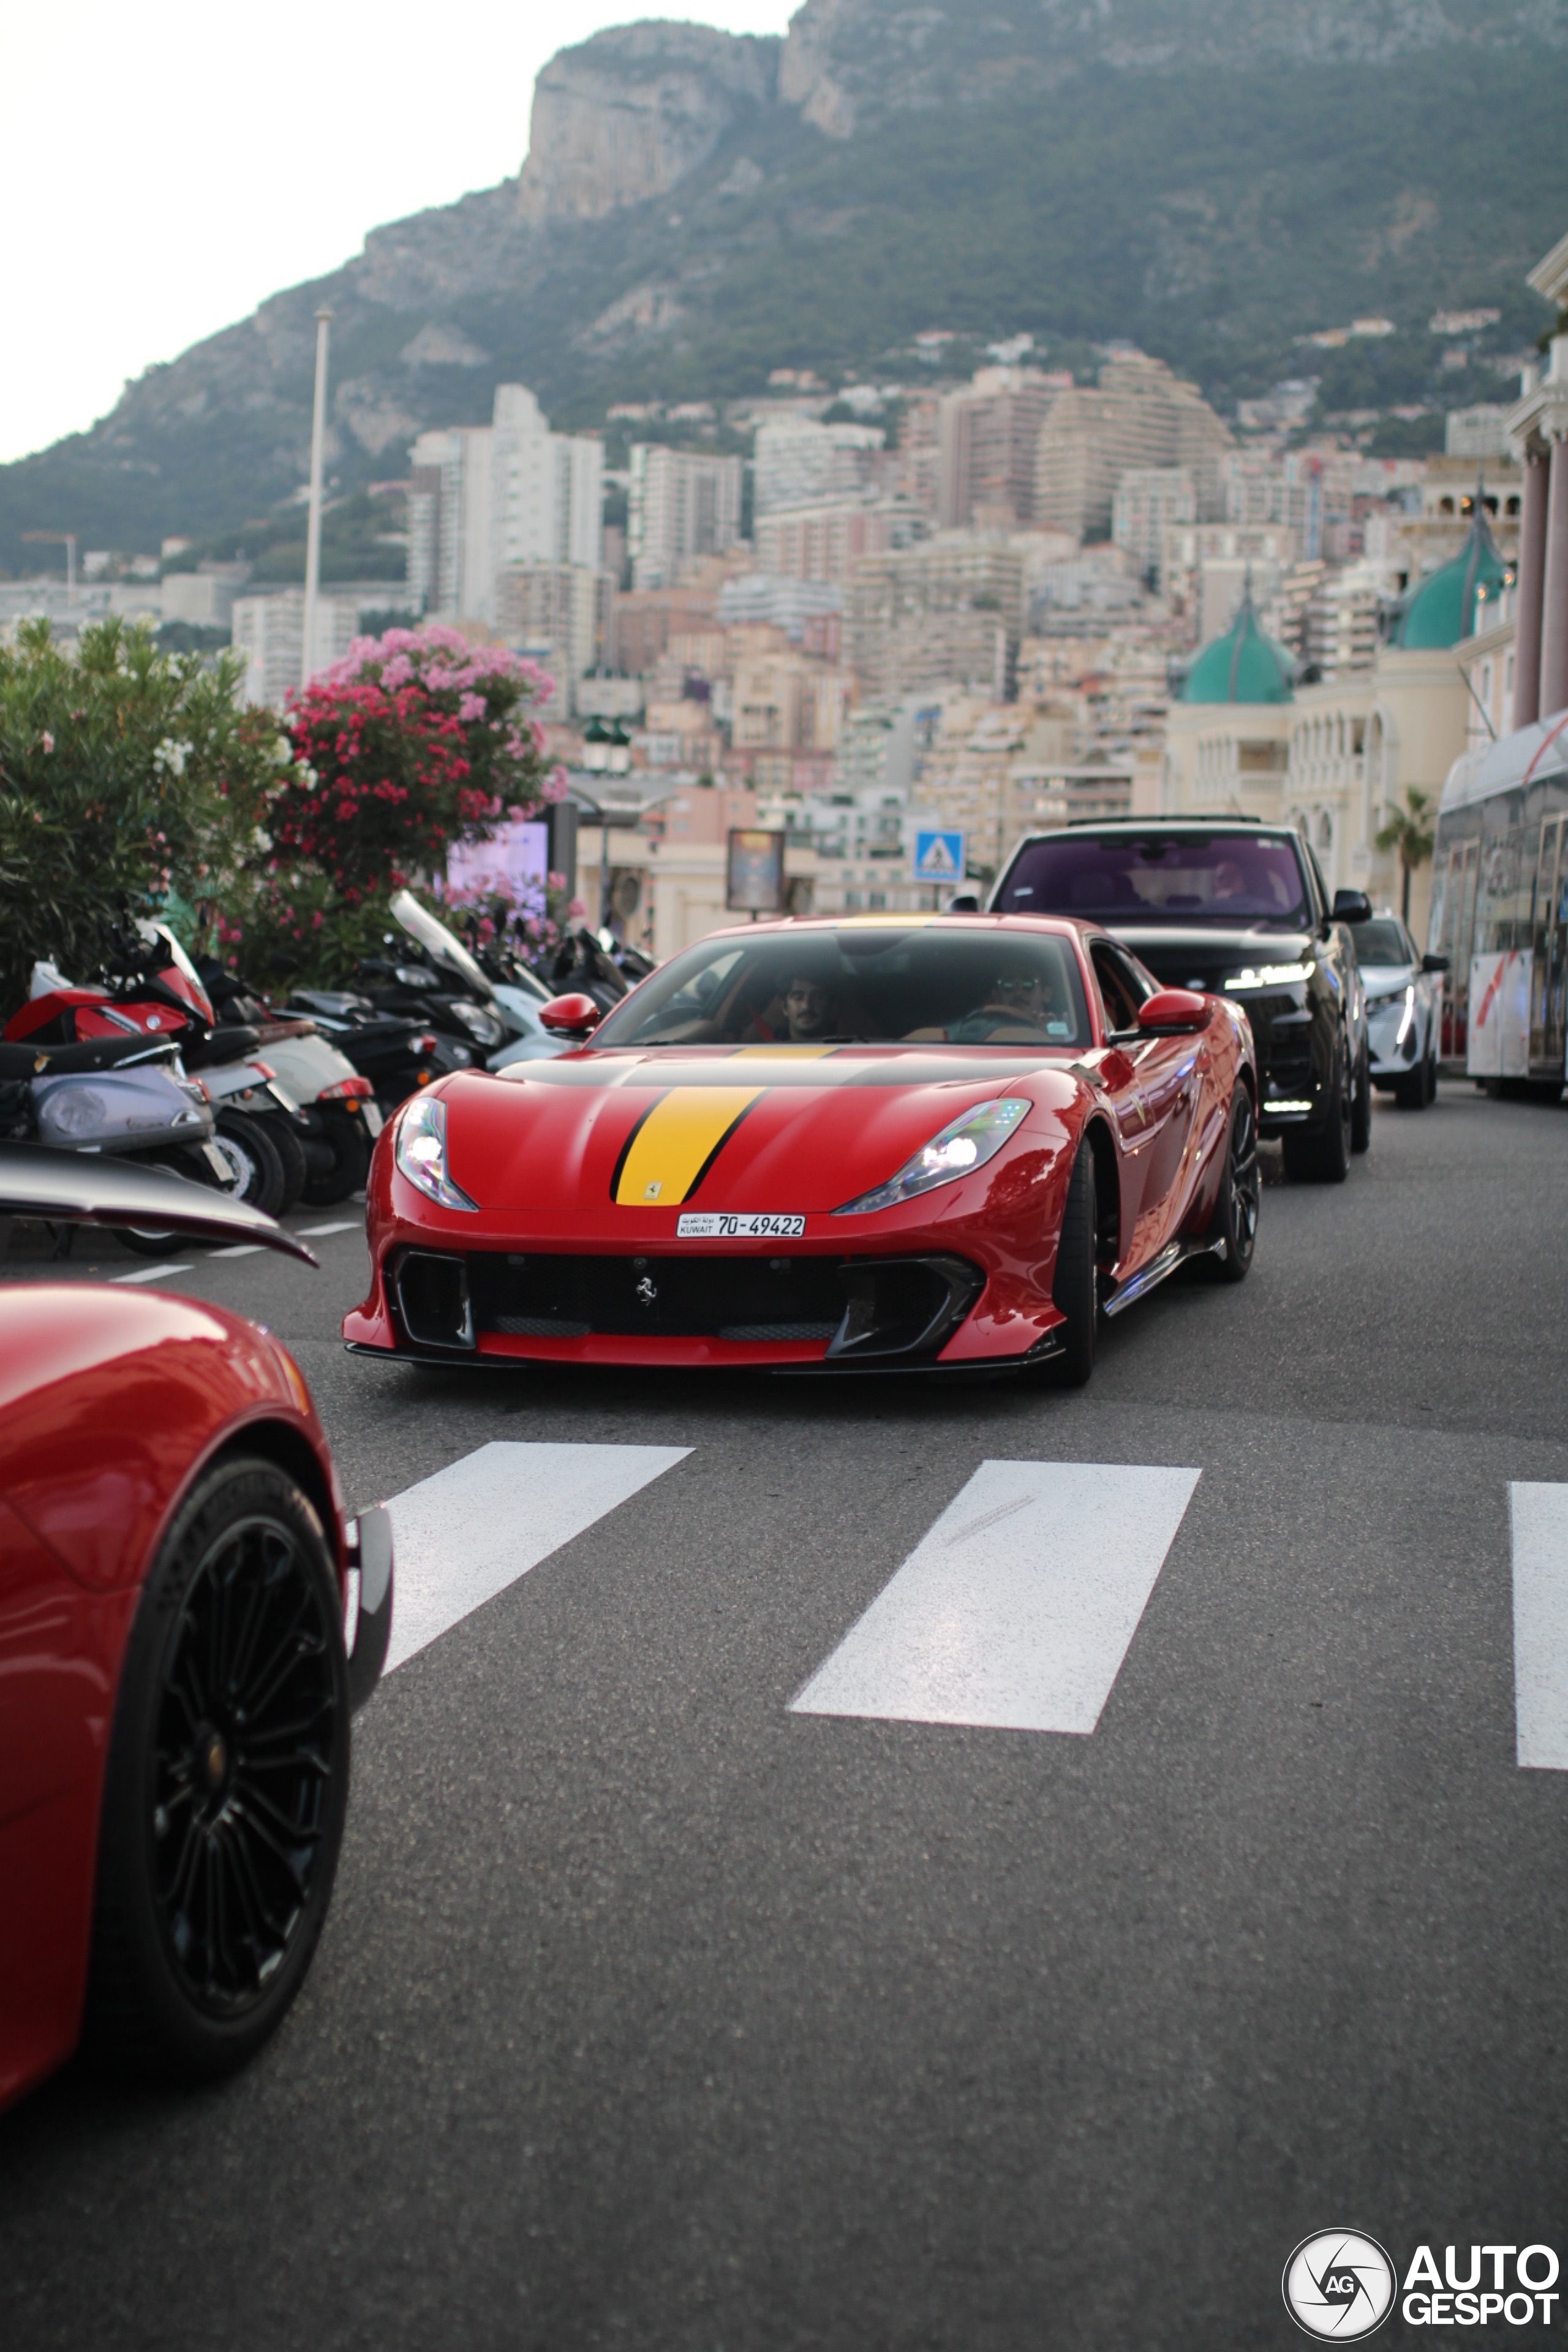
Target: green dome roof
[1442,609]
[1243,665]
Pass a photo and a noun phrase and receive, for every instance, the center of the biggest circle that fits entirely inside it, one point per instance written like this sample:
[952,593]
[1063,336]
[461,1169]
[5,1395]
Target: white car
[1403,992]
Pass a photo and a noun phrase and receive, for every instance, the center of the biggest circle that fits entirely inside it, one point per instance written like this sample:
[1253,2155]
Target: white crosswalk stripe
[1539,1519]
[474,1527]
[1016,1609]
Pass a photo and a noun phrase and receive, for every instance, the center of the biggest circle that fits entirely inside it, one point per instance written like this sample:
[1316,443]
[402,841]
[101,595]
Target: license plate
[711,1226]
[373,1118]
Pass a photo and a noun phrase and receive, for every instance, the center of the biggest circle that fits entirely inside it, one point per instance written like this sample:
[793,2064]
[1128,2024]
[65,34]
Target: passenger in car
[1021,1009]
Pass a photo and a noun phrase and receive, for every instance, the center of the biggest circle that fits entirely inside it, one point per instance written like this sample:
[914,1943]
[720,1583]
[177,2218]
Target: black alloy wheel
[1075,1284]
[1325,1158]
[1235,1220]
[348,1137]
[254,1159]
[1361,1103]
[227,1783]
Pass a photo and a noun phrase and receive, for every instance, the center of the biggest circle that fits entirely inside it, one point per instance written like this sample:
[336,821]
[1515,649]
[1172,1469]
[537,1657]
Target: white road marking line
[150,1274]
[239,1249]
[1539,1519]
[1016,1609]
[474,1527]
[314,1232]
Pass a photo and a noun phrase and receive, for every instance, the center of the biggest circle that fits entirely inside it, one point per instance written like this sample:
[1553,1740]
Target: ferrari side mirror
[1173,1009]
[570,1016]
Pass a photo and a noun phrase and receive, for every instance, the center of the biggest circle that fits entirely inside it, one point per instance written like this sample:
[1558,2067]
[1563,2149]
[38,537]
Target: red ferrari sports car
[884,1140]
[186,1623]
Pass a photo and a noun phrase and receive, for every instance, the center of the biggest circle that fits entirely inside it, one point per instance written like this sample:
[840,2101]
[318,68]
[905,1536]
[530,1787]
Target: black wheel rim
[245,1746]
[1246,1180]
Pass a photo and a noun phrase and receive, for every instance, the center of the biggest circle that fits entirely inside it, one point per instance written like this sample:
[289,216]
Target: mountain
[1208,178]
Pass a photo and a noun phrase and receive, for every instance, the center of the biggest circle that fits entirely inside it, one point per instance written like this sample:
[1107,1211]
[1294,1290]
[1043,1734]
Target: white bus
[1499,905]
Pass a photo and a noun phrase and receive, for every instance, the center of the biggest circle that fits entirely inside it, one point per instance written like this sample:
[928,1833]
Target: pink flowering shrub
[410,742]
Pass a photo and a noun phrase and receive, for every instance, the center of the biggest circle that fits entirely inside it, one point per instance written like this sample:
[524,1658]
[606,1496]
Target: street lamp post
[313,529]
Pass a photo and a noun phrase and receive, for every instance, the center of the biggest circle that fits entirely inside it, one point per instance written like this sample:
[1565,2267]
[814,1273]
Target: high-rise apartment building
[1139,416]
[451,567]
[947,612]
[487,496]
[987,437]
[799,462]
[679,506]
[1150,504]
[827,541]
[548,489]
[269,635]
[560,614]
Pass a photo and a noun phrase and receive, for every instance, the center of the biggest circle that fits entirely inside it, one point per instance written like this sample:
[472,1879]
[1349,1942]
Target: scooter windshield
[443,945]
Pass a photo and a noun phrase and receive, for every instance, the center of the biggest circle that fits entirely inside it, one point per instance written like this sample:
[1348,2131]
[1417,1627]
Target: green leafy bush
[126,775]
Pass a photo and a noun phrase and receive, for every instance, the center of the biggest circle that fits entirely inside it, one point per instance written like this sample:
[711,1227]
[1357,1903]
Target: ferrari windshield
[872,984]
[1183,878]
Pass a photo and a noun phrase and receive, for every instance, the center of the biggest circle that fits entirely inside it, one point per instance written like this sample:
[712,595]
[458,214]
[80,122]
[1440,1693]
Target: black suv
[1242,910]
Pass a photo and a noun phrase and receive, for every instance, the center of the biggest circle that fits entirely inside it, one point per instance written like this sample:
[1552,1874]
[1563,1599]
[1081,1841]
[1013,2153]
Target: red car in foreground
[882,1141]
[186,1623]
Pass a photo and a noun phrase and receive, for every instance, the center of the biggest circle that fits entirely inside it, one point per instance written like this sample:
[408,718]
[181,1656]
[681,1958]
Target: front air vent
[860,1309]
[433,1299]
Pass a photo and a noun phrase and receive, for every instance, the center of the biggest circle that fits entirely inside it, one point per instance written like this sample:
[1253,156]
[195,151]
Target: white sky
[164,168]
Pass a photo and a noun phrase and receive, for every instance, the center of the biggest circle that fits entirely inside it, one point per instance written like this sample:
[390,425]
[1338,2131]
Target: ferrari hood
[784,1131]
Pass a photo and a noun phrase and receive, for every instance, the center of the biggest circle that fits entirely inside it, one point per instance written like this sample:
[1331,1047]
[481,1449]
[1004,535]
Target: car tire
[1235,1220]
[226,1783]
[1361,1104]
[345,1132]
[1416,1089]
[1325,1158]
[255,1159]
[1075,1284]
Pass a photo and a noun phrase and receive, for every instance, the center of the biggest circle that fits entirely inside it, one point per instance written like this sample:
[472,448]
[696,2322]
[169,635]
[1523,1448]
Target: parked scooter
[150,988]
[125,1095]
[340,1115]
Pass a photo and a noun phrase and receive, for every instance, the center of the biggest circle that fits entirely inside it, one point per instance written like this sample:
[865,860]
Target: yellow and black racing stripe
[675,1143]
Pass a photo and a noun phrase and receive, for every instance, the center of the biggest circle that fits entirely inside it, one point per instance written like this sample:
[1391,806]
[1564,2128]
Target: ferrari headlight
[420,1152]
[967,1143]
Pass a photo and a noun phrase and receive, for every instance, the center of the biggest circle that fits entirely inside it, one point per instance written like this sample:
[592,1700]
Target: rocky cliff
[1206,176]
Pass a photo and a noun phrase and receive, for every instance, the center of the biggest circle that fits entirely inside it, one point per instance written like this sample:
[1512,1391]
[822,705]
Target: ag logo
[1340,2284]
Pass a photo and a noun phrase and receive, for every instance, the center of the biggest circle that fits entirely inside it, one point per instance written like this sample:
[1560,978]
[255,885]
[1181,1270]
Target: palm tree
[1409,831]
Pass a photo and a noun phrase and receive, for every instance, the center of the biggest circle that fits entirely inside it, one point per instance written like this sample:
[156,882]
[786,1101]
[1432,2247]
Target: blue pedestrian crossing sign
[939,857]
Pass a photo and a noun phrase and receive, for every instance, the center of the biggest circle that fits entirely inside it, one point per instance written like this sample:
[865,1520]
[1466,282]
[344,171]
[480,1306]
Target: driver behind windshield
[808,1010]
[803,1010]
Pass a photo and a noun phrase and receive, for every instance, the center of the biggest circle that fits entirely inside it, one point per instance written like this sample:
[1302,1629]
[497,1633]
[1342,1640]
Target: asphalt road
[653,2014]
